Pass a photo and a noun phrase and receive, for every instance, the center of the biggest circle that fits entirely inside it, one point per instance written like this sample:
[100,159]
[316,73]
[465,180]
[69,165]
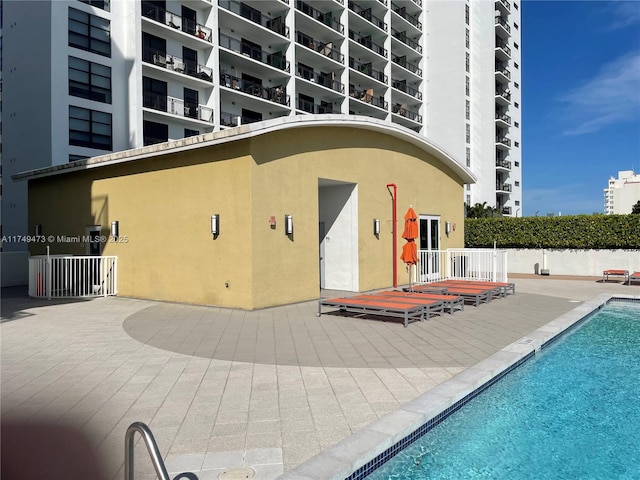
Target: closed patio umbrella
[410,233]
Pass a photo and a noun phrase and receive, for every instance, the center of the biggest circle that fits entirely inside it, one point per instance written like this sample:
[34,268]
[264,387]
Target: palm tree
[481,210]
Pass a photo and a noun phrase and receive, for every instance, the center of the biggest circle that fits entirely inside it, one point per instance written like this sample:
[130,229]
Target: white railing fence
[59,276]
[461,264]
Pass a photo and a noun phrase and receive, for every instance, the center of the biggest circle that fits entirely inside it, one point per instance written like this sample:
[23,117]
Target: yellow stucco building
[333,175]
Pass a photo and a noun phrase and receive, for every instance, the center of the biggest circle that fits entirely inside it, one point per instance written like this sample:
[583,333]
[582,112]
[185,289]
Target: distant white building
[622,193]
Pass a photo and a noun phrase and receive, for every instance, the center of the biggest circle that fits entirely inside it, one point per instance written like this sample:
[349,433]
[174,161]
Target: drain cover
[238,473]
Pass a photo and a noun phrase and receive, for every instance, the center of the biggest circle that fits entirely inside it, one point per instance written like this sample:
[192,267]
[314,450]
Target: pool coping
[360,453]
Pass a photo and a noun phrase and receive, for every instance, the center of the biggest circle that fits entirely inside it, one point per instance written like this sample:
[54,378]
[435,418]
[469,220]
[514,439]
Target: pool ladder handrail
[154,453]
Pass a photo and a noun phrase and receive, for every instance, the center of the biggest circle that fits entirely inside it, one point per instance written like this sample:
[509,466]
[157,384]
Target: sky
[580,102]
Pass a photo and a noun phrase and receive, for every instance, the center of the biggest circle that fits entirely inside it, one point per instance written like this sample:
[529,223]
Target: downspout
[395,242]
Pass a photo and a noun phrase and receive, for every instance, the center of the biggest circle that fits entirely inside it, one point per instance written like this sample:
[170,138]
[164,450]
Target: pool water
[571,412]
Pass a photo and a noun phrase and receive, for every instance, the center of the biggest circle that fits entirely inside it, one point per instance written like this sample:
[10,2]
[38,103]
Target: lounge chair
[504,288]
[384,307]
[615,273]
[634,277]
[451,302]
[476,295]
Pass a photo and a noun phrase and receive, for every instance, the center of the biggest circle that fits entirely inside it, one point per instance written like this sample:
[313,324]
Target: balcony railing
[501,68]
[404,111]
[501,21]
[367,69]
[402,86]
[176,21]
[368,43]
[503,187]
[275,59]
[274,24]
[503,140]
[402,61]
[177,64]
[402,36]
[275,94]
[506,94]
[506,164]
[229,119]
[506,210]
[506,4]
[325,18]
[367,15]
[310,107]
[503,45]
[367,96]
[326,80]
[402,11]
[326,49]
[504,117]
[177,106]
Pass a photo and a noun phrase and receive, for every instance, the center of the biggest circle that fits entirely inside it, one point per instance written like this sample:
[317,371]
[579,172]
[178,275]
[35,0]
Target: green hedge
[575,231]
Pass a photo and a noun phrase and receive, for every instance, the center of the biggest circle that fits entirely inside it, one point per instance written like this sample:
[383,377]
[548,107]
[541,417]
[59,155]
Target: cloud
[612,96]
[625,13]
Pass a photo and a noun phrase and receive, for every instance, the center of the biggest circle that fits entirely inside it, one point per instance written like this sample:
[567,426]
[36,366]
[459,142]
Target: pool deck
[267,389]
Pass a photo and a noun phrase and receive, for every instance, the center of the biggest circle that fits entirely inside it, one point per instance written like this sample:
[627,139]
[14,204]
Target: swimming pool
[571,412]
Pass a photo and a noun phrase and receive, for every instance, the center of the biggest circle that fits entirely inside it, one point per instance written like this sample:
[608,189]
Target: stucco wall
[572,262]
[164,204]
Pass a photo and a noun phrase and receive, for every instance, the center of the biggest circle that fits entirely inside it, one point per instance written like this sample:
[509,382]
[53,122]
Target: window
[468,134]
[154,49]
[516,124]
[89,32]
[517,183]
[467,39]
[89,128]
[515,5]
[89,80]
[467,63]
[467,109]
[516,46]
[154,94]
[517,164]
[468,157]
[190,103]
[516,85]
[468,200]
[466,14]
[249,116]
[190,133]
[516,104]
[103,4]
[515,25]
[467,86]
[75,158]
[153,132]
[516,66]
[516,144]
[468,187]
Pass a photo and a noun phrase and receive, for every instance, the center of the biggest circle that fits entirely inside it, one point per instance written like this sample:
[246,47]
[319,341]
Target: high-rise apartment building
[622,193]
[83,78]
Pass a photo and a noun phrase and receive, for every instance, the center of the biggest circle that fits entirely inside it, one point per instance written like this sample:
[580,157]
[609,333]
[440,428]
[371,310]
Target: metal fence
[461,264]
[58,276]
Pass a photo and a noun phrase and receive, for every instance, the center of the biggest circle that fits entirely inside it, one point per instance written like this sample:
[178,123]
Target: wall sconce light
[215,225]
[115,229]
[38,230]
[376,226]
[288,225]
[447,228]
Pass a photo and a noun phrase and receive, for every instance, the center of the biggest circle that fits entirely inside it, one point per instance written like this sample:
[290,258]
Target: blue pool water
[571,412]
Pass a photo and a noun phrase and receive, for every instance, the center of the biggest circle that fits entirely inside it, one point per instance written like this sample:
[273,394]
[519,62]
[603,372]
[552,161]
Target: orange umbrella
[410,233]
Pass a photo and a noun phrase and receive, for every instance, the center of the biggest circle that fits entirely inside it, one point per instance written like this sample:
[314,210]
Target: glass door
[429,254]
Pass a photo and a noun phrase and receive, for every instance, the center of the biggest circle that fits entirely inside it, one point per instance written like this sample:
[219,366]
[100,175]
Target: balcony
[502,27]
[402,61]
[503,140]
[176,22]
[177,106]
[503,187]
[275,59]
[502,164]
[326,49]
[324,79]
[404,111]
[177,64]
[402,11]
[503,96]
[273,94]
[402,36]
[310,107]
[366,42]
[367,96]
[502,72]
[403,87]
[367,69]
[506,210]
[502,119]
[324,18]
[367,15]
[503,5]
[229,119]
[276,24]
[503,52]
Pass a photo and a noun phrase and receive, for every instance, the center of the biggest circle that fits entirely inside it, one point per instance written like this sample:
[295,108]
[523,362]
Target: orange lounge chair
[634,277]
[617,273]
[475,295]
[368,304]
[504,288]
[452,303]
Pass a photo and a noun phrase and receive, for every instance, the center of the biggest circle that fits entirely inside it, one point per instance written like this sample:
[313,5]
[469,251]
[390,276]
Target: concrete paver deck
[226,388]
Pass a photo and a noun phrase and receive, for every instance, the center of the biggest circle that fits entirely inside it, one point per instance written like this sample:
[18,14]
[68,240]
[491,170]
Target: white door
[429,247]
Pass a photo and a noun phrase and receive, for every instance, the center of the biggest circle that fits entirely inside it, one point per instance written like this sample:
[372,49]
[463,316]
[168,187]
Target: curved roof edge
[251,130]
